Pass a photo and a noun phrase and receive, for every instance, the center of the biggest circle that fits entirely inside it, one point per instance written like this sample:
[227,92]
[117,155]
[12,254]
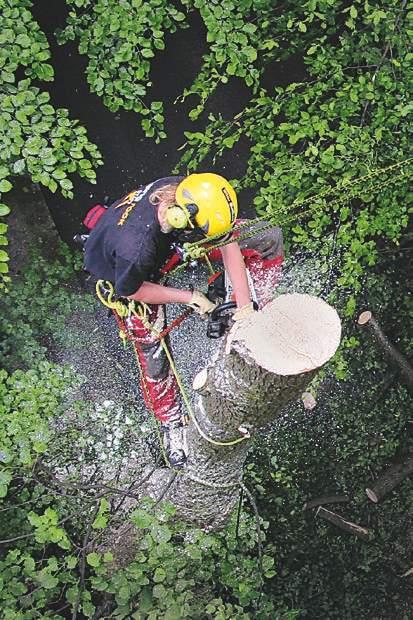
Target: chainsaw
[220,291]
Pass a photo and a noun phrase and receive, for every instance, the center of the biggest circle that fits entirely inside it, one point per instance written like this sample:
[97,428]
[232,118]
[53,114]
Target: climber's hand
[240,315]
[200,303]
[243,313]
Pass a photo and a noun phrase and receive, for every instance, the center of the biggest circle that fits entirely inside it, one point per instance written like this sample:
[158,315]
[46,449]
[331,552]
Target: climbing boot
[174,441]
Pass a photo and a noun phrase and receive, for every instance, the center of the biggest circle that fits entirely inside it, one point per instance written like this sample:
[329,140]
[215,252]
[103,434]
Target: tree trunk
[266,362]
[389,480]
[347,526]
[398,359]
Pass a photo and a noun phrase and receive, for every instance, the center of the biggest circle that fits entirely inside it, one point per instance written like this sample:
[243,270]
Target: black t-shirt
[127,246]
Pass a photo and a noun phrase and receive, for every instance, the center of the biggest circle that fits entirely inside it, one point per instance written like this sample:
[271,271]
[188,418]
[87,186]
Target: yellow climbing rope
[141,312]
[342,192]
[105,293]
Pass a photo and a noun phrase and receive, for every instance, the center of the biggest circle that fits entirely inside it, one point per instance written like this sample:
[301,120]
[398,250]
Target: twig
[117,508]
[165,489]
[82,564]
[259,544]
[141,482]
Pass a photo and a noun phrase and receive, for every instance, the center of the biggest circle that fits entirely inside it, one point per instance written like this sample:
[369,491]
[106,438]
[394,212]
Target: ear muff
[176,217]
[180,217]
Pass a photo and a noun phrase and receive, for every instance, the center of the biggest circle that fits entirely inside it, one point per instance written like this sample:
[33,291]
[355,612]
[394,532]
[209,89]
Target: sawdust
[292,334]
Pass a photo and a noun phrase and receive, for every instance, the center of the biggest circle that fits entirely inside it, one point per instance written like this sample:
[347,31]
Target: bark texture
[237,396]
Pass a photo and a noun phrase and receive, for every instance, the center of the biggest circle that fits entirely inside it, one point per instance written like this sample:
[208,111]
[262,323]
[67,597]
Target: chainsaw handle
[218,321]
[227,305]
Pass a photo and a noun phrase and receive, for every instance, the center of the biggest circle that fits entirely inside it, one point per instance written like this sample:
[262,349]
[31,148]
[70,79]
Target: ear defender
[180,217]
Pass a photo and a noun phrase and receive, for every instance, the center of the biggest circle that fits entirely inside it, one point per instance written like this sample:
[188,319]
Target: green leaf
[93,559]
[4,209]
[59,174]
[141,518]
[159,591]
[19,166]
[193,552]
[179,17]
[251,53]
[71,561]
[174,612]
[99,84]
[23,40]
[47,109]
[159,575]
[5,186]
[47,580]
[45,72]
[66,184]
[100,522]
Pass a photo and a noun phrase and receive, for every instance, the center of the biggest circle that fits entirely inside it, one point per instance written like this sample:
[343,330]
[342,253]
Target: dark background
[129,158]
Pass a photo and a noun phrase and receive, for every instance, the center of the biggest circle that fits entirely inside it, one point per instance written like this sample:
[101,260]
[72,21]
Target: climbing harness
[141,313]
[122,311]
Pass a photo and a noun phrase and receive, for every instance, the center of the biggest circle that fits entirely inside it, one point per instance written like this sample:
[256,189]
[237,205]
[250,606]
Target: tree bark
[266,362]
[347,526]
[398,359]
[389,480]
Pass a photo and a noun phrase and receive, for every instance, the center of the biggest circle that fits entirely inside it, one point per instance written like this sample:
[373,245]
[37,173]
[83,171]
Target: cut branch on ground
[389,480]
[346,526]
[366,319]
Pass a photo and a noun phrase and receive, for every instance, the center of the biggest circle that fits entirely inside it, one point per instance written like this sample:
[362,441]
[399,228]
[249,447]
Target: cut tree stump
[367,320]
[267,361]
[389,479]
[347,526]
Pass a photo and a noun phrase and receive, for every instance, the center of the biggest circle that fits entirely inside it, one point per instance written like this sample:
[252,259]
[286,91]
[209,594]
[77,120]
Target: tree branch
[325,499]
[406,371]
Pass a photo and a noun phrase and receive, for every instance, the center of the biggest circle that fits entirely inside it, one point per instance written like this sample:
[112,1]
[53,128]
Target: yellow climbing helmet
[206,201]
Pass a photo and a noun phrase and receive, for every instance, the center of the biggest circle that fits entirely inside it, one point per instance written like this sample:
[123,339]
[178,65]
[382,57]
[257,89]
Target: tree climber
[131,242]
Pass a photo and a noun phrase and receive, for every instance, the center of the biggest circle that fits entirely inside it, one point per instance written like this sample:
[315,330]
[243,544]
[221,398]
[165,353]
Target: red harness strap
[93,216]
[170,264]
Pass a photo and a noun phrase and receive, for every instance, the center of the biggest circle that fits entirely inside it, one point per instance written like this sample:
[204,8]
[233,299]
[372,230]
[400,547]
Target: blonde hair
[165,196]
